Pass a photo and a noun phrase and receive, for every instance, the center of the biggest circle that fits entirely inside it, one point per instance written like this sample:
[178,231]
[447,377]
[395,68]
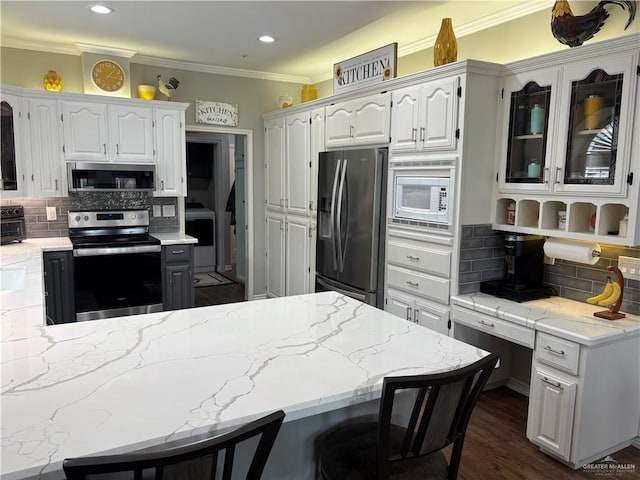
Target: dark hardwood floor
[496,447]
[220,294]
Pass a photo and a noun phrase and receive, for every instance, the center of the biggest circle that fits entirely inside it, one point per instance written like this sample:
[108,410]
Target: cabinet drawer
[418,283]
[558,352]
[178,253]
[494,326]
[429,260]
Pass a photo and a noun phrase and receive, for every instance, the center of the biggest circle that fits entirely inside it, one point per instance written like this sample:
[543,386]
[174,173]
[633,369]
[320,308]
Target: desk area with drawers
[584,392]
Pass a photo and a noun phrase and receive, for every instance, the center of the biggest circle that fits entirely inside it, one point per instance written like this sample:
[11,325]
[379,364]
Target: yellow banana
[613,298]
[606,292]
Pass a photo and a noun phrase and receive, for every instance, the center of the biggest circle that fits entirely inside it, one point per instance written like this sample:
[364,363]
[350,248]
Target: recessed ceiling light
[101,9]
[266,39]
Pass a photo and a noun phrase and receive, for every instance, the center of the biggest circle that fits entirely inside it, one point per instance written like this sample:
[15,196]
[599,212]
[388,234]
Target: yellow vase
[445,50]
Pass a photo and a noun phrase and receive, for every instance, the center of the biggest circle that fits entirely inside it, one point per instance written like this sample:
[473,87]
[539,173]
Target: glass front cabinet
[568,130]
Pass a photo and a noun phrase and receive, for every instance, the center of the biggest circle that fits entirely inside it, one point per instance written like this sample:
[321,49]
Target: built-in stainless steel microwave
[108,177]
[421,197]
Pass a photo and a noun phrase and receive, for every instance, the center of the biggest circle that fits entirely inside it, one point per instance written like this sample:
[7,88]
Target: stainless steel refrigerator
[351,222]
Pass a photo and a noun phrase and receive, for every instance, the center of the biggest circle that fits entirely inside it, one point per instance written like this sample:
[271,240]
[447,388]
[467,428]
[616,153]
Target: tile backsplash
[35,210]
[482,257]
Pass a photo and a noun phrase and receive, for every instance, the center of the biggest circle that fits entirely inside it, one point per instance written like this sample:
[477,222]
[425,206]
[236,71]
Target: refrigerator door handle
[332,219]
[339,217]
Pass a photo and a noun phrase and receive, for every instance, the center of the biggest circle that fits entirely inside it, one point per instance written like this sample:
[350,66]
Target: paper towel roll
[575,251]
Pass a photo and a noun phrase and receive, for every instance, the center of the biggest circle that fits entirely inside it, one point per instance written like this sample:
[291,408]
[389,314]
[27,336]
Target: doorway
[219,167]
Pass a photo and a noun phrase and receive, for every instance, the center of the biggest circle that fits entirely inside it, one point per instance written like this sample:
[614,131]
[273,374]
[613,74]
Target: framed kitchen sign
[216,113]
[369,68]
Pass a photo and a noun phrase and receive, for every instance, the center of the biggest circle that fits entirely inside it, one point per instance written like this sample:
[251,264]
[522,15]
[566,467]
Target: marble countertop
[131,382]
[558,316]
[174,238]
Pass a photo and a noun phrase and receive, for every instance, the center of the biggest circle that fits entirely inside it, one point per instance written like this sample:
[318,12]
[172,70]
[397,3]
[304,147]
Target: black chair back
[439,417]
[163,463]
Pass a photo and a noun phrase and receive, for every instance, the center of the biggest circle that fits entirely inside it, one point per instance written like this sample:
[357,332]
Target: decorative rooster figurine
[168,87]
[575,30]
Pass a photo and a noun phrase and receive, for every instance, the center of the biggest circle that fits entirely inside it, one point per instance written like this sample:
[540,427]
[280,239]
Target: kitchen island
[133,382]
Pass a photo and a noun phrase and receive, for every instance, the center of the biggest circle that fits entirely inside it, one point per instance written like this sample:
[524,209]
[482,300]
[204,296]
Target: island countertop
[132,382]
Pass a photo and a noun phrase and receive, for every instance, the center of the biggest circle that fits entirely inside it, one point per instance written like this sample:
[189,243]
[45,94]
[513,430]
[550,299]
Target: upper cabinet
[363,121]
[102,132]
[47,165]
[170,153]
[567,130]
[424,117]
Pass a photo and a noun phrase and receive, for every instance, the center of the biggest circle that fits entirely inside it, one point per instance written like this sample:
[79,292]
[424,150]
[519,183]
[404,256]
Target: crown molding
[99,49]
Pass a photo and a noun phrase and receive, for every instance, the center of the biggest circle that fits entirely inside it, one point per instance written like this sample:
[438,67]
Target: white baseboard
[636,442]
[518,386]
[262,296]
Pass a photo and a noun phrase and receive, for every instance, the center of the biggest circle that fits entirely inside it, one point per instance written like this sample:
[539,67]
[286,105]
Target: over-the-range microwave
[109,177]
[422,197]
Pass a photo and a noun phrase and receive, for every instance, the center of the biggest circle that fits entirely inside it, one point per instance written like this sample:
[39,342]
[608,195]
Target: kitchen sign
[216,113]
[369,68]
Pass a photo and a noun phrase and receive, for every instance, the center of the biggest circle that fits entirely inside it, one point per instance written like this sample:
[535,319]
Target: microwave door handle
[332,218]
[339,216]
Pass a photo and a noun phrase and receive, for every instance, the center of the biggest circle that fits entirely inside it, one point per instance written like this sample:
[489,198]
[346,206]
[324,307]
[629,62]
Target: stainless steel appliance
[523,270]
[351,212]
[200,222]
[108,177]
[12,227]
[116,264]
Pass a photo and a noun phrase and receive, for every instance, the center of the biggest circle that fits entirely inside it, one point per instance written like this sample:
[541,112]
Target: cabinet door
[404,119]
[298,163]
[528,130]
[551,406]
[59,287]
[274,162]
[46,151]
[179,288]
[131,130]
[170,153]
[594,141]
[85,131]
[275,256]
[12,166]
[371,119]
[338,125]
[429,316]
[317,146]
[298,243]
[399,305]
[439,115]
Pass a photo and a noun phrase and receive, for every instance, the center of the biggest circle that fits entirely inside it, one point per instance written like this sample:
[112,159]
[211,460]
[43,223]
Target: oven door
[110,283]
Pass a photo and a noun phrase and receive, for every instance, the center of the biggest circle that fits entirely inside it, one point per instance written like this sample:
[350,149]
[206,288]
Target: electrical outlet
[51,213]
[630,267]
[168,211]
[157,210]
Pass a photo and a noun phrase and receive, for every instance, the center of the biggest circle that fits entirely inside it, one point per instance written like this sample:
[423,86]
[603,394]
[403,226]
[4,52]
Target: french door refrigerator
[351,221]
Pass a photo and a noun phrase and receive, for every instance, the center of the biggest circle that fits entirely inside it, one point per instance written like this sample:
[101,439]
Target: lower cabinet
[178,289]
[418,310]
[59,287]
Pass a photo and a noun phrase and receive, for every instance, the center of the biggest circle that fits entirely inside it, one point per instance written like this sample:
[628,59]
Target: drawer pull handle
[409,314]
[412,284]
[482,322]
[557,352]
[411,257]
[554,384]
[177,252]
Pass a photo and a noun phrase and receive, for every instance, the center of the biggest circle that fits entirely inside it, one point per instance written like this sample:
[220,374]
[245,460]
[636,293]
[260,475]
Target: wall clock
[108,75]
[105,74]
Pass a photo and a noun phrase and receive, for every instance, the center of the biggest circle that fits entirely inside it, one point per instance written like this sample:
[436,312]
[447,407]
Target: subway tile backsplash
[35,210]
[482,257]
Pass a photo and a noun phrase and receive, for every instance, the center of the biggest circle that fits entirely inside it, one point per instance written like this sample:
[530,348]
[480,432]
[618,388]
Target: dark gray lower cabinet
[59,287]
[178,290]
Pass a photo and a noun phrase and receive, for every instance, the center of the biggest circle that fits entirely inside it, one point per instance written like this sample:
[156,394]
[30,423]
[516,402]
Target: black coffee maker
[523,270]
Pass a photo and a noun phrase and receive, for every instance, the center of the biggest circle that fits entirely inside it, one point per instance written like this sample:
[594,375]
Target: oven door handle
[94,252]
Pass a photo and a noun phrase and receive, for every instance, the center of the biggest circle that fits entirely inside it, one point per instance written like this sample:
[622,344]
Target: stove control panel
[109,218]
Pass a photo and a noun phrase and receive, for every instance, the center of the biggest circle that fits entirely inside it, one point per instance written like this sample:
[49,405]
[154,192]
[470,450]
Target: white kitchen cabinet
[288,245]
[170,153]
[424,118]
[317,146]
[418,310]
[13,166]
[274,162]
[46,159]
[552,402]
[103,132]
[363,121]
[297,169]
